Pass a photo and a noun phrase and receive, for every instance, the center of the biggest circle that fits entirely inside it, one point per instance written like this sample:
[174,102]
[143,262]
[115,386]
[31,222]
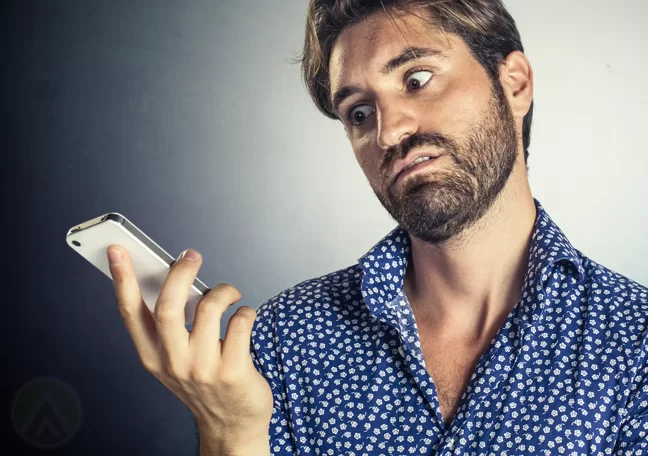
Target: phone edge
[116,217]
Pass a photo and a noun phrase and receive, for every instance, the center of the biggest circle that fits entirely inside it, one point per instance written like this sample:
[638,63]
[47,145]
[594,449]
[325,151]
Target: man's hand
[216,379]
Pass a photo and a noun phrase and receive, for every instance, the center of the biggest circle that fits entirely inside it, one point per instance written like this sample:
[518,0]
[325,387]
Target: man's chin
[432,214]
[409,191]
[433,195]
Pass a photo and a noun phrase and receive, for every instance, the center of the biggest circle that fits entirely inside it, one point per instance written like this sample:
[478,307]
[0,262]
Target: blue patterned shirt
[566,374]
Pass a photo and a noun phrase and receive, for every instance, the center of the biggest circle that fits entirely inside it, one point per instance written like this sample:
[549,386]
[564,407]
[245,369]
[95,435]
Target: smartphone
[151,263]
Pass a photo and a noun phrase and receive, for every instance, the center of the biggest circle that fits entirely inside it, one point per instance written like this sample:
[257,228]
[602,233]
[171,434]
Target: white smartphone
[151,263]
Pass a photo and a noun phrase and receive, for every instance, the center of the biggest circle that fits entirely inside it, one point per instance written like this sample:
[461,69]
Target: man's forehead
[372,42]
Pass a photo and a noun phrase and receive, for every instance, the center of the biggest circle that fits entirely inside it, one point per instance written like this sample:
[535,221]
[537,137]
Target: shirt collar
[384,267]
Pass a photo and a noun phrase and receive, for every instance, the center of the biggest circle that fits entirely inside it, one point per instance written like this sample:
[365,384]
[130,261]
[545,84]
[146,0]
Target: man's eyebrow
[408,55]
[341,95]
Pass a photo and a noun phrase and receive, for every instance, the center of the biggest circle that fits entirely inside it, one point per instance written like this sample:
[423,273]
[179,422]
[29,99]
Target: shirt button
[400,350]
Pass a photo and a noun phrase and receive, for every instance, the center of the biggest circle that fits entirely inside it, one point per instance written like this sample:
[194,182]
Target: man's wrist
[243,444]
[208,448]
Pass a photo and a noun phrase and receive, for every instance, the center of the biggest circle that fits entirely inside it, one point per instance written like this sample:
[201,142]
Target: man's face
[438,105]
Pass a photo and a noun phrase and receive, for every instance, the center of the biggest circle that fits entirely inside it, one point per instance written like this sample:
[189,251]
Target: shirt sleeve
[633,433]
[264,349]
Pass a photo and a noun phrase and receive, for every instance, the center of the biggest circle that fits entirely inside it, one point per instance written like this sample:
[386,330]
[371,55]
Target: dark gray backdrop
[157,110]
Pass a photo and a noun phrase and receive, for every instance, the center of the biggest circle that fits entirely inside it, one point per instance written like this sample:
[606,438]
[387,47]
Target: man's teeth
[416,162]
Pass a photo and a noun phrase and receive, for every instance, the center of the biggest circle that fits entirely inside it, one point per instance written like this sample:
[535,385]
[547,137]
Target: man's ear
[516,77]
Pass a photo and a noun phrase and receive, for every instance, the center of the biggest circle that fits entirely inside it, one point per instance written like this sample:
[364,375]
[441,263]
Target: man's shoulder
[318,294]
[604,281]
[615,296]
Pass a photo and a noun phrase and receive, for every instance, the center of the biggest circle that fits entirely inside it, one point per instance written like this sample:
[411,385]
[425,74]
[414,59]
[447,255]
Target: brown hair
[485,25]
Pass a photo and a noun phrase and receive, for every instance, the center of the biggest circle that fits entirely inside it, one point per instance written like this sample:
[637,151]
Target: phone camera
[77,243]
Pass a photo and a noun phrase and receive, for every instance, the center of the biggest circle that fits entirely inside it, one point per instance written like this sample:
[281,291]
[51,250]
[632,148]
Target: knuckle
[175,371]
[150,366]
[125,310]
[228,289]
[242,319]
[247,312]
[165,314]
[238,321]
[200,375]
[206,309]
[229,377]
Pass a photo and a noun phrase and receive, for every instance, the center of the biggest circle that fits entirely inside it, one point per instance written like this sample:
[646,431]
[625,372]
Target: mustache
[417,140]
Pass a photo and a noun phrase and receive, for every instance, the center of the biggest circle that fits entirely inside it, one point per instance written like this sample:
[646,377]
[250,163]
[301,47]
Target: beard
[435,207]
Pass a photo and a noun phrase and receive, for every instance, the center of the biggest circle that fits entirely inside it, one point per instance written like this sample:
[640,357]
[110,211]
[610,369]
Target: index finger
[132,308]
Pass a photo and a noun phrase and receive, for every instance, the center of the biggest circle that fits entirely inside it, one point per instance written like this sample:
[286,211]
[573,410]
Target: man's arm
[633,433]
[278,441]
[255,444]
[279,437]
[214,377]
[264,349]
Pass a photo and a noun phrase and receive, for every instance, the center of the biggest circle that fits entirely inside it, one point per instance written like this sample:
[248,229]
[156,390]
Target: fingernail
[190,255]
[114,256]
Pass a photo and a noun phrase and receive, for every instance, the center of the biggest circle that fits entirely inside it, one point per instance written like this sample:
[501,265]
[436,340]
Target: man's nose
[395,124]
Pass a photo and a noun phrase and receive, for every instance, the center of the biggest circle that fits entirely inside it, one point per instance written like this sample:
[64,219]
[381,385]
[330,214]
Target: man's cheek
[365,162]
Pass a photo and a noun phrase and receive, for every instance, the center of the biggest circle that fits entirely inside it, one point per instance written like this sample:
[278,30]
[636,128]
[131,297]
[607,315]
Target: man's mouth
[417,164]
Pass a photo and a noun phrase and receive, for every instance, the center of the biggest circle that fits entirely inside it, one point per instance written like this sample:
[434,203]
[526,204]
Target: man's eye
[418,79]
[358,114]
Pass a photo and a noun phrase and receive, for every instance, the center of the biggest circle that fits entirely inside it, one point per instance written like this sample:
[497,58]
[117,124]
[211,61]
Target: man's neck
[465,288]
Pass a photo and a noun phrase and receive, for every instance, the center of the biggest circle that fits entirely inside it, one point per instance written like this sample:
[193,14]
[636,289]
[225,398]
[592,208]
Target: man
[474,327]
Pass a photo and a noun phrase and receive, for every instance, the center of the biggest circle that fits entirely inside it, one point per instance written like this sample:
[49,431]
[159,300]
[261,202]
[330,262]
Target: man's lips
[401,169]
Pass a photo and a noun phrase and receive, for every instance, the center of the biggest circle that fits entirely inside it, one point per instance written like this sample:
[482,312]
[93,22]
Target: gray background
[189,118]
